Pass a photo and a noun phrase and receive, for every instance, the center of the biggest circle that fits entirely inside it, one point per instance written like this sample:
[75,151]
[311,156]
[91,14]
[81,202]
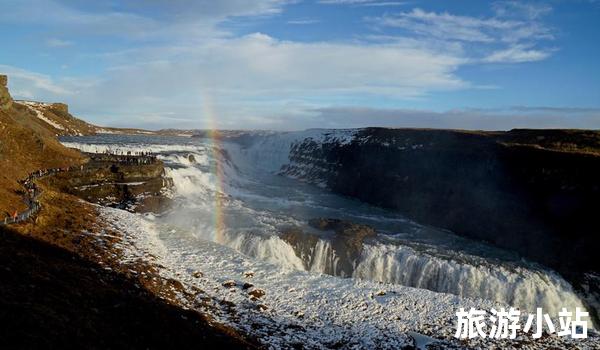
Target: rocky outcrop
[134,187]
[336,249]
[60,108]
[5,98]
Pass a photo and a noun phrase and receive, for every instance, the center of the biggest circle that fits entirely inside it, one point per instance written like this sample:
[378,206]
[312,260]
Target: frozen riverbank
[298,307]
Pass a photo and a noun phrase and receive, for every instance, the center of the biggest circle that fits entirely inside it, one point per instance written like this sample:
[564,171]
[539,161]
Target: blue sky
[295,64]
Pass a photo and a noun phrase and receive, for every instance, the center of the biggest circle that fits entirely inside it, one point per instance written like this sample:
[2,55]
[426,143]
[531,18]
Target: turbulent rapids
[230,193]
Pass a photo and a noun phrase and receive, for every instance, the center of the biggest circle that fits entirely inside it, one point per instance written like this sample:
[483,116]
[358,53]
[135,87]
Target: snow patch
[36,107]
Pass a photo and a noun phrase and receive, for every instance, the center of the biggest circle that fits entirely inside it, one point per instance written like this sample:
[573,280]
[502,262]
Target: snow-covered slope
[303,309]
[56,118]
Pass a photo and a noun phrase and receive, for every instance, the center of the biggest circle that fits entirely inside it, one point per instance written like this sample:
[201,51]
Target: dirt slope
[26,144]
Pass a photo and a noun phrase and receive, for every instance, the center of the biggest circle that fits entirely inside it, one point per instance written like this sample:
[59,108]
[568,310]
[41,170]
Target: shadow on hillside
[50,298]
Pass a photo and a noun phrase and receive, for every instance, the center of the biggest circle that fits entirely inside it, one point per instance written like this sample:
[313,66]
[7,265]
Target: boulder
[257,293]
[346,242]
[61,108]
[229,284]
[343,228]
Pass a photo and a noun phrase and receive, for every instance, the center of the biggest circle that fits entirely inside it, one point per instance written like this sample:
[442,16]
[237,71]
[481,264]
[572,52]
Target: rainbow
[217,169]
[218,216]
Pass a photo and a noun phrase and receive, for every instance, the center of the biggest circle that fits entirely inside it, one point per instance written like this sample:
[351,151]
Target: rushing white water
[255,205]
[324,258]
[515,285]
[271,249]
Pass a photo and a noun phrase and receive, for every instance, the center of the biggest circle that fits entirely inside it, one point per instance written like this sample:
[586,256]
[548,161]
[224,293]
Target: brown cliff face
[5,98]
[26,146]
[53,117]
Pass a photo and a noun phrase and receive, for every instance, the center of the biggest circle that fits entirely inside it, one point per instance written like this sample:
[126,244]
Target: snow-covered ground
[299,307]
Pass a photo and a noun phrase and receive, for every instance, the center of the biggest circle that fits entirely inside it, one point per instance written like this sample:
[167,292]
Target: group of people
[126,157]
[44,172]
[119,152]
[32,193]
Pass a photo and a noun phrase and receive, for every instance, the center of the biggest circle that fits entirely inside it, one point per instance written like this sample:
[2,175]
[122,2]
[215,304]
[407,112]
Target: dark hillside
[51,299]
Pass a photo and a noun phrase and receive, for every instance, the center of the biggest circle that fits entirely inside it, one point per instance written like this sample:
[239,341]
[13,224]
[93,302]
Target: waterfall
[526,288]
[271,248]
[324,259]
[253,231]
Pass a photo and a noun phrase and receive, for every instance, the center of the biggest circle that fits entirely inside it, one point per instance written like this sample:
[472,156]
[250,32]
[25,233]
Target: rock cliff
[134,187]
[531,191]
[5,98]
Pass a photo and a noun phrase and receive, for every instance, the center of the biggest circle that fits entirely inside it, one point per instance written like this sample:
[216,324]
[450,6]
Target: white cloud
[55,42]
[157,20]
[464,28]
[245,77]
[517,54]
[512,35]
[344,2]
[60,17]
[366,3]
[26,84]
[520,9]
[303,21]
[188,61]
[384,4]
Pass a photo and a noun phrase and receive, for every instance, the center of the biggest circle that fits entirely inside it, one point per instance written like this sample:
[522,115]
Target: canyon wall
[531,191]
